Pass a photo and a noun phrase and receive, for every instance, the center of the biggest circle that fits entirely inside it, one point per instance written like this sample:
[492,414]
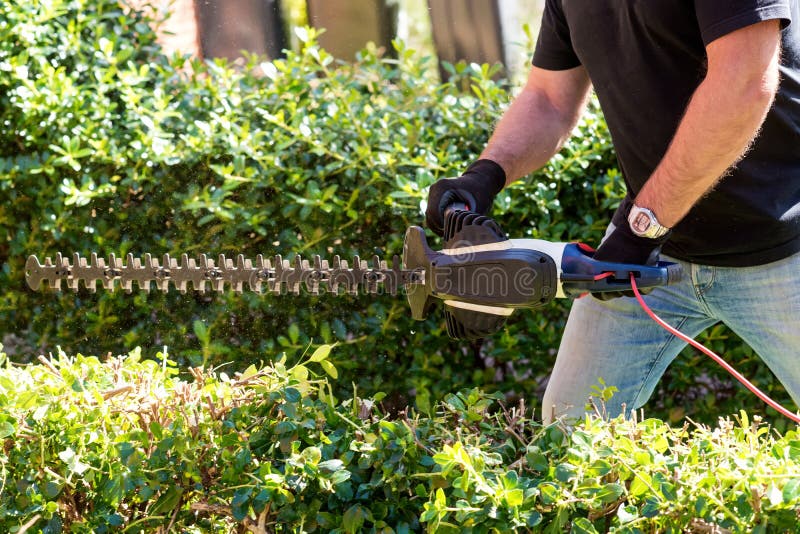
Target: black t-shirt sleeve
[554,46]
[717,18]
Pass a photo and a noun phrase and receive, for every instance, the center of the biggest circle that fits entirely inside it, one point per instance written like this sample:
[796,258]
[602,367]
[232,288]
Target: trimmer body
[482,277]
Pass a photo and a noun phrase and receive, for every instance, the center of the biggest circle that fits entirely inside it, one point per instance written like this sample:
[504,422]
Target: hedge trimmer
[480,275]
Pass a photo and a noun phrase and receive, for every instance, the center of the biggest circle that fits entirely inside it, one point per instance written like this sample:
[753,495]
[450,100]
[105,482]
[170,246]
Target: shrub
[109,146]
[127,443]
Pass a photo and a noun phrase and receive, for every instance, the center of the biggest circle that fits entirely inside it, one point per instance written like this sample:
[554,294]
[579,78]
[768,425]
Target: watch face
[640,223]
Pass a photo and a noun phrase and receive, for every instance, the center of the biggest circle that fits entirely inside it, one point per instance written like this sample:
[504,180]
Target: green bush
[125,444]
[109,146]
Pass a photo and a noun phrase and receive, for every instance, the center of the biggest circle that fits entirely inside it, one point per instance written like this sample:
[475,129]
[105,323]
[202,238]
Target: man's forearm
[721,120]
[528,135]
[538,122]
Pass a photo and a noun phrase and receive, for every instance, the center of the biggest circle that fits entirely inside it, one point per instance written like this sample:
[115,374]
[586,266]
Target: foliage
[109,146]
[128,444]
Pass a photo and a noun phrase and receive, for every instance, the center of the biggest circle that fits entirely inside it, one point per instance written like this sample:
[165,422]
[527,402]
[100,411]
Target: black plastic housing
[483,280]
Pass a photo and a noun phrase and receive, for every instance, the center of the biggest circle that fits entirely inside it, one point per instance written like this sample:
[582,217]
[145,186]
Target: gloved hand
[476,188]
[623,246]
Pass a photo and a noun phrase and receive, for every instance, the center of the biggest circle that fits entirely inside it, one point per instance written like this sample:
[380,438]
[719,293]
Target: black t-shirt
[645,59]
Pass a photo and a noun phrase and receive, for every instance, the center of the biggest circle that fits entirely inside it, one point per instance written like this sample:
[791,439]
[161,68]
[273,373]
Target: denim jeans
[616,341]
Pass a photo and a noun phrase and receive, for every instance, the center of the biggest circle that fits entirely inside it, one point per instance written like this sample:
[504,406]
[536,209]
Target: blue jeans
[616,341]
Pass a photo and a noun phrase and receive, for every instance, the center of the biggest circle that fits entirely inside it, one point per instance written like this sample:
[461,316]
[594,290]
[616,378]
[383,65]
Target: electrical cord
[708,352]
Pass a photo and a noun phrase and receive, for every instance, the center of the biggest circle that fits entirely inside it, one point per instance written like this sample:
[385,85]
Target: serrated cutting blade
[262,275]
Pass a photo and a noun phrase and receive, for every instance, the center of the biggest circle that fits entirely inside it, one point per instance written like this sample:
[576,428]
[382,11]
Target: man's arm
[529,133]
[721,120]
[539,120]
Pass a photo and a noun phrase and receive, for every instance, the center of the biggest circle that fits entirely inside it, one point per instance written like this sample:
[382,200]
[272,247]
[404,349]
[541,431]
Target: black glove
[476,188]
[623,246]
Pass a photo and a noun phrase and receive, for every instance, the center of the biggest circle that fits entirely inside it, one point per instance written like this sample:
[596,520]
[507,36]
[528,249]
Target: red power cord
[708,352]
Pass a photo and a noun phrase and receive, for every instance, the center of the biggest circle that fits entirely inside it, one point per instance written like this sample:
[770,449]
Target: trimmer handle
[581,273]
[455,206]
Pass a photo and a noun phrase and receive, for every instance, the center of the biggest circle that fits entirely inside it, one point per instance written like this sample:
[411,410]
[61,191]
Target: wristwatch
[643,223]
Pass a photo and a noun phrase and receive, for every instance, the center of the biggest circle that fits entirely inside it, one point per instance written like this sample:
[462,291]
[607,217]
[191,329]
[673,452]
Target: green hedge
[125,444]
[109,146]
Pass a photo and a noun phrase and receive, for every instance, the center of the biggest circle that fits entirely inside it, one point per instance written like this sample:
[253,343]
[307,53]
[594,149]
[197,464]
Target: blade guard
[418,255]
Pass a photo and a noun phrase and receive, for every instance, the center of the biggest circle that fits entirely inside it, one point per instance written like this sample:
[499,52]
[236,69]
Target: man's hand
[476,188]
[623,246]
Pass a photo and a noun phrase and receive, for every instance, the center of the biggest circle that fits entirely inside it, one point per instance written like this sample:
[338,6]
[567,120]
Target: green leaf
[791,491]
[340,476]
[599,468]
[640,484]
[566,471]
[292,395]
[294,333]
[514,498]
[331,465]
[643,458]
[240,503]
[353,518]
[156,429]
[651,508]
[200,330]
[610,492]
[312,455]
[429,514]
[339,329]
[329,368]
[441,500]
[581,525]
[52,489]
[533,519]
[550,493]
[321,353]
[701,506]
[250,371]
[300,372]
[6,429]
[168,501]
[537,461]
[660,444]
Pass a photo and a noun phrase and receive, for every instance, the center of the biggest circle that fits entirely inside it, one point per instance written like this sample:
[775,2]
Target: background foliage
[109,146]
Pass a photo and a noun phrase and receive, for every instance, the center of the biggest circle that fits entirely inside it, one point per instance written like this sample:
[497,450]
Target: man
[702,100]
